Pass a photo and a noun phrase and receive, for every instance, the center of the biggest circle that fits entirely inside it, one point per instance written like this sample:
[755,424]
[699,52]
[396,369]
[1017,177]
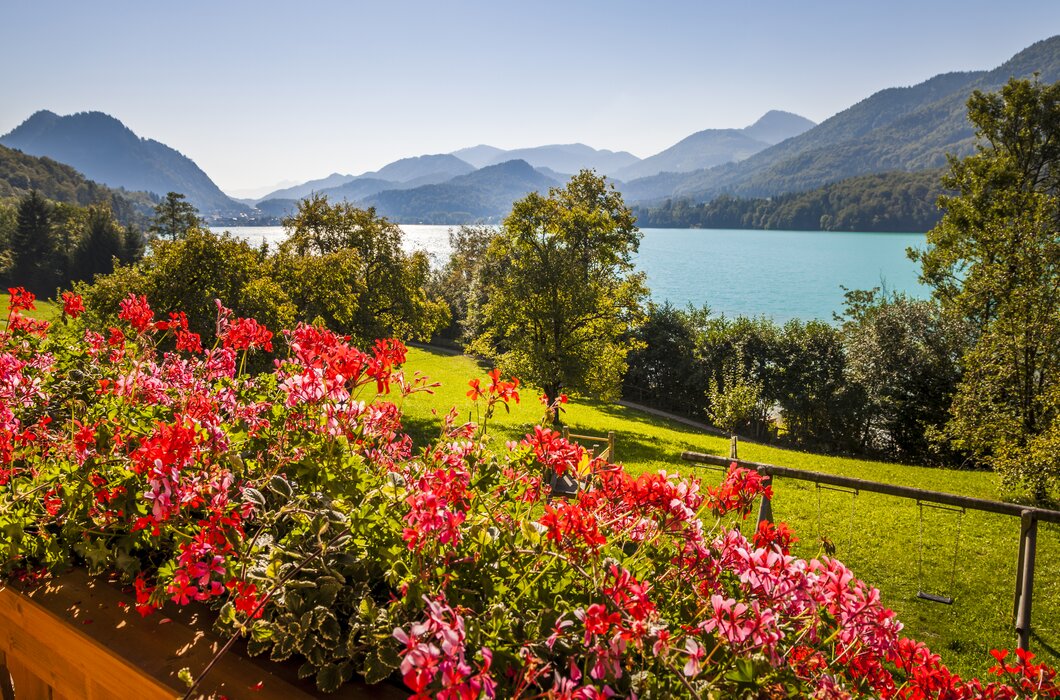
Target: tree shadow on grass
[634,438]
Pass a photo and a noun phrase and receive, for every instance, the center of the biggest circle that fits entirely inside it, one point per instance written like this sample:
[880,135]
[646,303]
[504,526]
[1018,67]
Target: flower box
[78,637]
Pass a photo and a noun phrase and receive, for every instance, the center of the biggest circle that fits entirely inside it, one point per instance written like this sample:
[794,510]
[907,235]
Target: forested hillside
[895,201]
[21,173]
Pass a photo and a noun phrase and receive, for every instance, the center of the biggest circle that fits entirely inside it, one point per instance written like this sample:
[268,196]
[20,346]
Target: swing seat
[945,600]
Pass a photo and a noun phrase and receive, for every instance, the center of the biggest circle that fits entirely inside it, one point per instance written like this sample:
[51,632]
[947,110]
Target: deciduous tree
[560,295]
[346,266]
[994,261]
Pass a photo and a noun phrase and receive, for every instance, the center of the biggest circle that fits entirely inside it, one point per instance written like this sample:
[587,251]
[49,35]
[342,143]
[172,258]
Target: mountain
[278,207]
[20,173]
[483,195]
[478,156]
[107,151]
[439,167]
[776,125]
[307,188]
[703,149]
[886,202]
[569,158]
[357,189]
[906,128]
[711,147]
[401,174]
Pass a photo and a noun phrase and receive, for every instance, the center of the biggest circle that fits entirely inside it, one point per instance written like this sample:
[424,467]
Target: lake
[778,274]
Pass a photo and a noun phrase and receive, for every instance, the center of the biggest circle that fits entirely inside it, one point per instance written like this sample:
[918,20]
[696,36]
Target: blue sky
[263,92]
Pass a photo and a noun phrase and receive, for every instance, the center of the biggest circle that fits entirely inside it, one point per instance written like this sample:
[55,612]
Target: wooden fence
[594,442]
[1029,518]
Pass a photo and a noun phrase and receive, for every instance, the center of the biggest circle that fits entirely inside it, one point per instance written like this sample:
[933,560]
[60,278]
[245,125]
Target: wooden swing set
[1029,519]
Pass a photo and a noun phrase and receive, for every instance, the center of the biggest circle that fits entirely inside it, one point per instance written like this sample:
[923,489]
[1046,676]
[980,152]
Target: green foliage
[904,354]
[558,292]
[880,385]
[21,173]
[174,217]
[735,399]
[665,369]
[456,282]
[895,201]
[33,246]
[189,274]
[342,266]
[820,407]
[102,241]
[346,267]
[994,263]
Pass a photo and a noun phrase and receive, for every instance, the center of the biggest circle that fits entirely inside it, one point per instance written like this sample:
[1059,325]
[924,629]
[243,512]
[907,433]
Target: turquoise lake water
[778,274]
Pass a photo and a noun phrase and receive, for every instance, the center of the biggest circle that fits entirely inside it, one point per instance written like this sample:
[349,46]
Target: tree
[666,370]
[132,245]
[994,262]
[559,295]
[33,245]
[455,283]
[904,355]
[189,275]
[345,266]
[736,398]
[820,408]
[100,244]
[174,217]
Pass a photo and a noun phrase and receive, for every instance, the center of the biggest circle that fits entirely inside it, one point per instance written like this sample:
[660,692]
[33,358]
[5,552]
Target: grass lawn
[45,309]
[876,535]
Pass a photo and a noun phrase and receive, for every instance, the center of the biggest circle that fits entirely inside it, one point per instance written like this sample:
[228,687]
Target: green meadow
[880,537]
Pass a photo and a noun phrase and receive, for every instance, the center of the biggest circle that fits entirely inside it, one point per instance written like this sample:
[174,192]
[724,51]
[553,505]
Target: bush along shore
[292,502]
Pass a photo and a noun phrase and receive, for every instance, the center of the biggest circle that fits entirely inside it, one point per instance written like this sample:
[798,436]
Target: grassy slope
[880,541]
[45,309]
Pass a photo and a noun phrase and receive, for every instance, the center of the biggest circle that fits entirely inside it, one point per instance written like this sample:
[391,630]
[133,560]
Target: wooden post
[566,433]
[765,508]
[611,446]
[1023,617]
[1019,569]
[732,447]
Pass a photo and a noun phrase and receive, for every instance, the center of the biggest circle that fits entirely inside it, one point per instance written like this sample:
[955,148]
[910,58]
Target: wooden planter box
[80,638]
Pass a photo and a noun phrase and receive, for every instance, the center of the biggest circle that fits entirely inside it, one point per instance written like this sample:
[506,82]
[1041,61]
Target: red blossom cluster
[437,504]
[553,452]
[137,312]
[435,648]
[572,526]
[779,536]
[643,584]
[498,389]
[73,305]
[739,489]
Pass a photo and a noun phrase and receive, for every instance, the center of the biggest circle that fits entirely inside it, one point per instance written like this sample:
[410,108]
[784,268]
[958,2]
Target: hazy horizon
[260,93]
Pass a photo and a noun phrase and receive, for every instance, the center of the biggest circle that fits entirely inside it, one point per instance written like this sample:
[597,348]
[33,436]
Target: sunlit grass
[878,536]
[45,309]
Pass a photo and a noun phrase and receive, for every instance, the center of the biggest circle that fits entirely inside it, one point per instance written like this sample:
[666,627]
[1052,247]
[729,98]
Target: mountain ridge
[106,151]
[900,128]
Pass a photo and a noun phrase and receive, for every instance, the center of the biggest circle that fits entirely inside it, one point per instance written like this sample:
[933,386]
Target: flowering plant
[292,502]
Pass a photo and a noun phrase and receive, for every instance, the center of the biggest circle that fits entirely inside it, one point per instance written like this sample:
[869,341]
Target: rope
[956,549]
[853,506]
[920,543]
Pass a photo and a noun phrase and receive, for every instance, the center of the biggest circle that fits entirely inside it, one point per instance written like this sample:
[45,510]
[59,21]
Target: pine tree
[33,245]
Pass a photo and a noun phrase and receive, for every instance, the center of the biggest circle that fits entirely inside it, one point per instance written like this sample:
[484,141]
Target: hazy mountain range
[898,129]
[107,151]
